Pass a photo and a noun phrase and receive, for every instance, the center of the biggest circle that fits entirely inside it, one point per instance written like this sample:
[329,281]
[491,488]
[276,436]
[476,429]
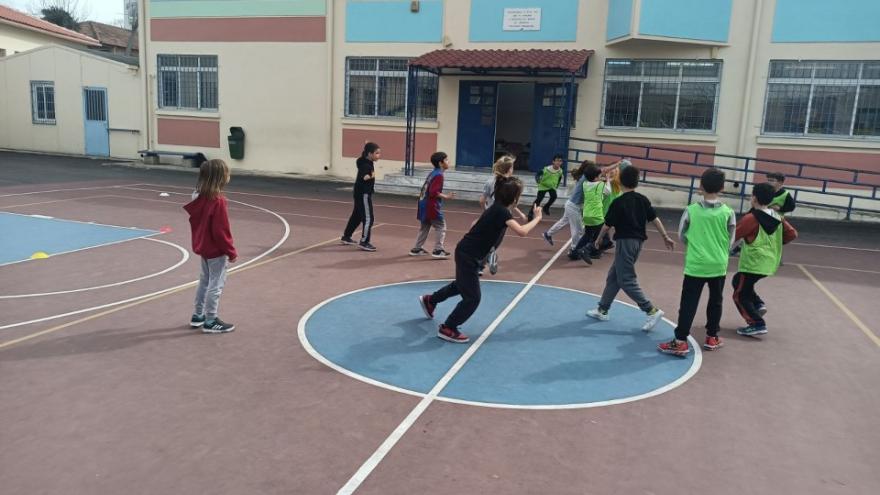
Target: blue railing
[856,188]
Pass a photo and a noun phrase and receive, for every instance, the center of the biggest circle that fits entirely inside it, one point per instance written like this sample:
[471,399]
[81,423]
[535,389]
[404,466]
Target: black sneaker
[366,246]
[547,237]
[217,326]
[440,254]
[417,252]
[348,241]
[585,255]
[197,321]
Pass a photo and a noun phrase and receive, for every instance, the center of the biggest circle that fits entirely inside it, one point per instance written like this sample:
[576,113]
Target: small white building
[57,99]
[20,32]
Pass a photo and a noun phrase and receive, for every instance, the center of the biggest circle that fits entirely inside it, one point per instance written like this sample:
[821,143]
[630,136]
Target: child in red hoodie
[212,240]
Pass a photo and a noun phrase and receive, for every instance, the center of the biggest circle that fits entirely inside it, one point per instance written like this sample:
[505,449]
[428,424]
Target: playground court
[334,380]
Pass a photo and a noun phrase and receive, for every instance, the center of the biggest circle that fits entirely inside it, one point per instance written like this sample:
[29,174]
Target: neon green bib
[549,179]
[708,241]
[762,256]
[594,196]
[607,200]
[780,200]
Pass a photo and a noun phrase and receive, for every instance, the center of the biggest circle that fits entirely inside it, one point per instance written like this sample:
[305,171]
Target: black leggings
[466,284]
[746,299]
[362,213]
[540,197]
[691,290]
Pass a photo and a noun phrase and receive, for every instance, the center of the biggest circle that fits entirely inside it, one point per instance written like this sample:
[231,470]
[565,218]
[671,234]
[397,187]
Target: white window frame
[377,73]
[813,81]
[678,80]
[180,69]
[35,108]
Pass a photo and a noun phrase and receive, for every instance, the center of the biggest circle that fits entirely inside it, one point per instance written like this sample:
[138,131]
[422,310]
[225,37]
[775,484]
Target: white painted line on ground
[370,464]
[67,189]
[52,255]
[83,222]
[184,256]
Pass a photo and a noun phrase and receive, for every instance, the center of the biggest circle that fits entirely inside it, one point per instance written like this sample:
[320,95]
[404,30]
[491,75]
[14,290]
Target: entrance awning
[512,62]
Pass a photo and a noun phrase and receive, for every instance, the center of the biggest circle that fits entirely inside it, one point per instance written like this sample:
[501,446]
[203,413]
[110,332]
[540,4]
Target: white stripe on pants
[574,217]
[211,282]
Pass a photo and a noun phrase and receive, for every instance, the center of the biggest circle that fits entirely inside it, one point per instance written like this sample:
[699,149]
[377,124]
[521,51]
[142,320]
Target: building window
[43,102]
[817,98]
[377,87]
[2,52]
[661,94]
[188,82]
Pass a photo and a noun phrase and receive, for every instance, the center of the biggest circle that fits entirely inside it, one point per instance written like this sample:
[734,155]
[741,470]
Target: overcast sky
[106,11]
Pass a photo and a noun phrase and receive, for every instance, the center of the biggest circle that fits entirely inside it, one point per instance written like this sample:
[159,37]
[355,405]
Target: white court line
[184,256]
[303,338]
[83,222]
[52,255]
[180,286]
[370,464]
[68,189]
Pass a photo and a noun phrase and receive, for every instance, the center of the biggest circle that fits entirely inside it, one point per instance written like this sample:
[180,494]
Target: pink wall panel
[289,29]
[184,132]
[392,143]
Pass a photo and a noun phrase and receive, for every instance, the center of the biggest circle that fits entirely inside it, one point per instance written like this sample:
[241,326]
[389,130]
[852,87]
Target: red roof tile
[110,36]
[12,16]
[541,60]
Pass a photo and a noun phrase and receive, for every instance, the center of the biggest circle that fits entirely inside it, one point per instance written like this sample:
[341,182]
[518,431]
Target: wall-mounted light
[414,6]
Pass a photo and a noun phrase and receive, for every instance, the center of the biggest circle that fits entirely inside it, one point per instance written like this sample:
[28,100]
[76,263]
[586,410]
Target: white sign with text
[522,19]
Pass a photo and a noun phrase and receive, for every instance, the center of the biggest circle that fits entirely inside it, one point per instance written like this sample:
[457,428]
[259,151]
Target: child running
[706,229]
[212,240]
[764,232]
[628,215]
[783,202]
[469,253]
[548,181]
[572,213]
[430,211]
[362,213]
[595,193]
[503,168]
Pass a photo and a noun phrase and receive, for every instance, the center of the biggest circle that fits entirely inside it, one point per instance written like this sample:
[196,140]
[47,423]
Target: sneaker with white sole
[653,317]
[217,326]
[427,306]
[599,314]
[493,262]
[440,254]
[452,335]
[752,330]
[674,347]
[762,310]
[417,252]
[713,343]
[366,246]
[197,321]
[348,241]
[547,237]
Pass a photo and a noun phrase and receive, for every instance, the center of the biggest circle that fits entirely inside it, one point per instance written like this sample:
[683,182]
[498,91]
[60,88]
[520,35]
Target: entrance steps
[466,184]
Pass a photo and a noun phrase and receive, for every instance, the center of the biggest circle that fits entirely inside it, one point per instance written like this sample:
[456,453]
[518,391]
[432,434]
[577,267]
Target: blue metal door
[548,124]
[477,104]
[97,129]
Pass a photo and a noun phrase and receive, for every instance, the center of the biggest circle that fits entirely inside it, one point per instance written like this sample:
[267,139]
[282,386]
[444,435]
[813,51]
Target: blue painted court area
[24,235]
[545,353]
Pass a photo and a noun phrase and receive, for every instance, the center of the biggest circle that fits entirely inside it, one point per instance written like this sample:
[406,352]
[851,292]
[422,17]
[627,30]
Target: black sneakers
[217,326]
[197,321]
[366,246]
[348,241]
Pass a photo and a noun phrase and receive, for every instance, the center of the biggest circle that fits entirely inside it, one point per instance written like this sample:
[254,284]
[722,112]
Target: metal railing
[851,185]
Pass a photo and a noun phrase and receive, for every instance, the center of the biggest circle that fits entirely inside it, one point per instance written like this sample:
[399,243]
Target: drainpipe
[750,75]
[331,45]
[143,55]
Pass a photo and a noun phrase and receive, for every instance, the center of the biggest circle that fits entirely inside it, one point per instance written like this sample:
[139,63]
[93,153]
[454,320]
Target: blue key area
[545,353]
[24,235]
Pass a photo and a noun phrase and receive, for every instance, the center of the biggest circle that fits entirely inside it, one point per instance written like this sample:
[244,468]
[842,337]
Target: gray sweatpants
[622,275]
[439,225]
[574,217]
[211,283]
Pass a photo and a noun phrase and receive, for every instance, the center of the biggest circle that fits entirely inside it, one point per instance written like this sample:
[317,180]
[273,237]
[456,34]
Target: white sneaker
[652,320]
[598,314]
[493,262]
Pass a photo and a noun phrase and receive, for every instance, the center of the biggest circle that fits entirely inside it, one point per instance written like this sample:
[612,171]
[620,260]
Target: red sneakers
[452,335]
[674,347]
[713,343]
[427,307]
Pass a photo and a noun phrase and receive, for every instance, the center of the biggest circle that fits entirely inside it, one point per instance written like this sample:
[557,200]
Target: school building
[309,81]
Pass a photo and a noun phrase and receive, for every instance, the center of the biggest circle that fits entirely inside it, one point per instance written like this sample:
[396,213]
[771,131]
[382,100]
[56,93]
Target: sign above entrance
[528,19]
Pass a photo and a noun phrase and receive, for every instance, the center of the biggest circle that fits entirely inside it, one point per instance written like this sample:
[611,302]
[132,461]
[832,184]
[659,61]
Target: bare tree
[65,13]
[132,11]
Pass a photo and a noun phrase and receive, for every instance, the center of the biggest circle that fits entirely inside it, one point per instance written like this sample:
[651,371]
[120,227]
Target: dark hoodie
[748,225]
[211,234]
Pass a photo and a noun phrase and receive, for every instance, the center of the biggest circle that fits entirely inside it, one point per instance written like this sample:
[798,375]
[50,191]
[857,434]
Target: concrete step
[466,185]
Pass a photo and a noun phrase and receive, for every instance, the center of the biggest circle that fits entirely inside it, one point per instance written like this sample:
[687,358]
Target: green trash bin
[236,143]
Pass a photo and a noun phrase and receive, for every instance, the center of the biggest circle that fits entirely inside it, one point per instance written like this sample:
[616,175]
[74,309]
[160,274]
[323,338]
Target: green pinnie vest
[549,179]
[594,209]
[708,241]
[780,200]
[763,255]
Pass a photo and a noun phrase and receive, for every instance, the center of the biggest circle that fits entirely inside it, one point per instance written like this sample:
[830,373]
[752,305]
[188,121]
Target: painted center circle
[544,354]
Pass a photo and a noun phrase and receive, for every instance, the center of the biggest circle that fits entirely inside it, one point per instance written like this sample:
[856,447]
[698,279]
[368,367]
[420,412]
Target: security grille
[823,98]
[43,102]
[96,106]
[661,94]
[188,82]
[377,87]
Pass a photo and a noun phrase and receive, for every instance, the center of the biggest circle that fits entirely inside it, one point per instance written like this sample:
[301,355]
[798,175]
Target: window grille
[43,102]
[188,82]
[820,98]
[679,95]
[377,87]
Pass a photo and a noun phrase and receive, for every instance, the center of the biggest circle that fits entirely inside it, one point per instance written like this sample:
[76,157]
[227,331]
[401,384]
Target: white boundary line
[68,189]
[184,256]
[169,289]
[52,255]
[373,461]
[81,222]
[301,331]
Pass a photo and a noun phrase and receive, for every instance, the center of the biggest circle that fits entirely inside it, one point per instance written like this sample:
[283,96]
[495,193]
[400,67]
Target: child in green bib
[548,181]
[706,229]
[595,191]
[764,232]
[783,202]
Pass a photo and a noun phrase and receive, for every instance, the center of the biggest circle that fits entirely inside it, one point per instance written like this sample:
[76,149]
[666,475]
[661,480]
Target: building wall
[372,18]
[798,21]
[70,70]
[15,40]
[272,80]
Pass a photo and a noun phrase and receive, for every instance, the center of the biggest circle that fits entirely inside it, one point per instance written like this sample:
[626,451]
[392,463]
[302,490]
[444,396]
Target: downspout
[331,45]
[750,74]
[143,55]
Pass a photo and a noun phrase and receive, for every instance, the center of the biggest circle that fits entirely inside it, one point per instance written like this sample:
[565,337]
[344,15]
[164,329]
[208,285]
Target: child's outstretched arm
[670,244]
[523,230]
